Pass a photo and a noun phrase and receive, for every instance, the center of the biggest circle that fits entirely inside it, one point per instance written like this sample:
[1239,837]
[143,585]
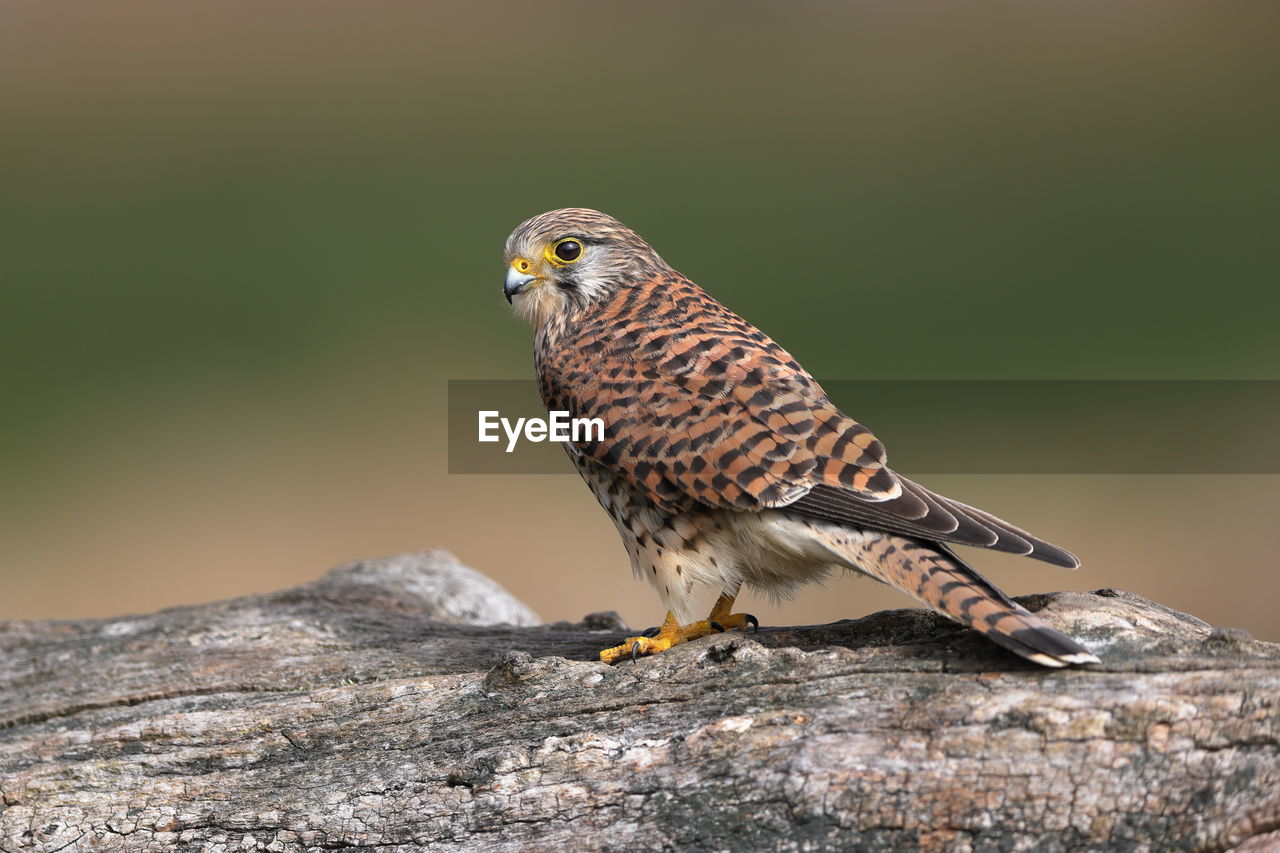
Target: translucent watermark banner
[950,426]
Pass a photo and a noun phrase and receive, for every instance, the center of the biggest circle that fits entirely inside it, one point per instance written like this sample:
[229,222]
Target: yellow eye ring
[564,252]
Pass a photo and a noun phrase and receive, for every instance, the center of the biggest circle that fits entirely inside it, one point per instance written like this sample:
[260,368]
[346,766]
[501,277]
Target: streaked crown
[565,261]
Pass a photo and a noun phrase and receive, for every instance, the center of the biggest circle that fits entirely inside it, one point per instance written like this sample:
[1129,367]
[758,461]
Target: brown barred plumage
[723,461]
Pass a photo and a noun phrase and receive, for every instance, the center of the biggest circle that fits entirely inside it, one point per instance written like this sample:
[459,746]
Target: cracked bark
[379,707]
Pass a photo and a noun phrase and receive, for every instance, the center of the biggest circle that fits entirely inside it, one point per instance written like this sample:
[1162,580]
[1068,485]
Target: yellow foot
[672,633]
[740,621]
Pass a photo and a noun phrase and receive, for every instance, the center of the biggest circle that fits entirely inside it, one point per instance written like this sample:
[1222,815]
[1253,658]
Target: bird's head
[565,261]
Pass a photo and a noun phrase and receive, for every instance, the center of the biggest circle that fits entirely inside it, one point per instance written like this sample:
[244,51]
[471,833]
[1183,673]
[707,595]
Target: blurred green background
[243,248]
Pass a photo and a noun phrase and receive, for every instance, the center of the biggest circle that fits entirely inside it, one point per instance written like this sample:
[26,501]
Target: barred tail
[933,574]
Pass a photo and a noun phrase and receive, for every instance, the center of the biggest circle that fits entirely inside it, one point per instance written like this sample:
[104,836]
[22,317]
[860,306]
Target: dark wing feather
[947,521]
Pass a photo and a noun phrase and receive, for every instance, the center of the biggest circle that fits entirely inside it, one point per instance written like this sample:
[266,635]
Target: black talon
[718,627]
[650,632]
[635,652]
[752,621]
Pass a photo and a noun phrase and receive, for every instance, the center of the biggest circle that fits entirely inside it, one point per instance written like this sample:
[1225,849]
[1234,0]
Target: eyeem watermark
[560,426]
[1015,426]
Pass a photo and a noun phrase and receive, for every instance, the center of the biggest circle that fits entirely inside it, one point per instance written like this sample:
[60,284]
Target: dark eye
[567,251]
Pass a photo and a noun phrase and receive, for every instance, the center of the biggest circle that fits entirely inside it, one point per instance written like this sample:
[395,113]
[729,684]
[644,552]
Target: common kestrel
[723,462]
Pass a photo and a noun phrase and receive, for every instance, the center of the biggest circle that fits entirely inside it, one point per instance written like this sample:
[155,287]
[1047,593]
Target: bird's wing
[945,520]
[717,414]
[723,421]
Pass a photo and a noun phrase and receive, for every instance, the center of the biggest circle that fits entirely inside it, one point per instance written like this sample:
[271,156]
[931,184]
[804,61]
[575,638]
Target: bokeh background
[244,247]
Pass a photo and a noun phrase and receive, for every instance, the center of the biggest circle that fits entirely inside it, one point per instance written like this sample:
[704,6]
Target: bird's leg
[722,614]
[672,633]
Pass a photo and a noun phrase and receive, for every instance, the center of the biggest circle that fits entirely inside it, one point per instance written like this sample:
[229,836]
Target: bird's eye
[567,251]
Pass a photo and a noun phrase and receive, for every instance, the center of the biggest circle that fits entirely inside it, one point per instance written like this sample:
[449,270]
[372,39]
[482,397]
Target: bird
[723,463]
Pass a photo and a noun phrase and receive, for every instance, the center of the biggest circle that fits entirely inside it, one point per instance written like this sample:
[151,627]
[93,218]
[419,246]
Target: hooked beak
[516,282]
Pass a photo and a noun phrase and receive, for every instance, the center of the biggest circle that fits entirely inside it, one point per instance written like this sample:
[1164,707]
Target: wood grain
[376,708]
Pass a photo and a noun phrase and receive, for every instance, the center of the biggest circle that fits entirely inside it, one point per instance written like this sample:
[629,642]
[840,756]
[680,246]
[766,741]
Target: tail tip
[1081,658]
[1060,661]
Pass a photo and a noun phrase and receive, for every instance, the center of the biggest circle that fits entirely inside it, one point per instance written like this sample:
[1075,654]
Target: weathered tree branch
[375,707]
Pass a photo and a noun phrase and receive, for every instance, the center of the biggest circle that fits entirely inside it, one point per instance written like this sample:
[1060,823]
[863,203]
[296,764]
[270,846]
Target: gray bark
[382,707]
